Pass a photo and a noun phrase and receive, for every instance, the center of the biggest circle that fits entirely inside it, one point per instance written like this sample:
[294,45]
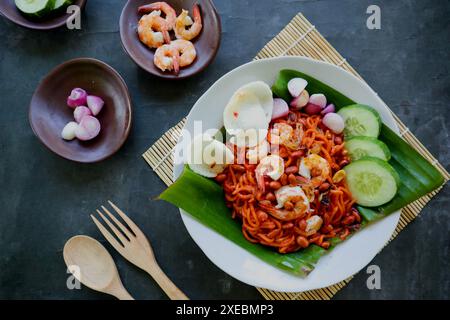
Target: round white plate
[348,257]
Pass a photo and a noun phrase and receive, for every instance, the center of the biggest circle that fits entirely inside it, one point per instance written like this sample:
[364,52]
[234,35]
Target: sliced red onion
[68,133]
[95,104]
[296,86]
[77,98]
[312,109]
[280,108]
[329,108]
[300,101]
[80,112]
[334,122]
[318,99]
[88,128]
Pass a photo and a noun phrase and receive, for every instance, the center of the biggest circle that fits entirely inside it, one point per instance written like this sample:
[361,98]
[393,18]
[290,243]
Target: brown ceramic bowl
[206,43]
[9,10]
[49,112]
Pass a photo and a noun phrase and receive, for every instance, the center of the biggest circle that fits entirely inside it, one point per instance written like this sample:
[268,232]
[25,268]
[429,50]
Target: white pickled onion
[80,112]
[68,133]
[88,128]
[318,99]
[280,108]
[328,109]
[95,104]
[296,86]
[312,109]
[334,122]
[77,98]
[300,101]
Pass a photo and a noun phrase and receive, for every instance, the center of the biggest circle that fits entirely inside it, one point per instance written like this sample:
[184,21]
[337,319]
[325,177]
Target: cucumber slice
[359,147]
[372,181]
[35,8]
[60,4]
[360,120]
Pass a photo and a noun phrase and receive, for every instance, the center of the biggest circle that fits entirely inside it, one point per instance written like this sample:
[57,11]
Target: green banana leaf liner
[203,198]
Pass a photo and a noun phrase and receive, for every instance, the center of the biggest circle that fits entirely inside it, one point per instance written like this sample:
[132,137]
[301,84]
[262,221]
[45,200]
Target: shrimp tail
[196,13]
[260,181]
[148,8]
[166,36]
[176,62]
[280,214]
[277,213]
[268,208]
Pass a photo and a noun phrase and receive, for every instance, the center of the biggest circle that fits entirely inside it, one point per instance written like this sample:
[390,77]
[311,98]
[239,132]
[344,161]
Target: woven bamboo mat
[298,38]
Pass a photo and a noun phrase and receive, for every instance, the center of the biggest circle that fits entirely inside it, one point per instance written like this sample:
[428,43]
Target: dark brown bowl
[10,11]
[49,112]
[206,43]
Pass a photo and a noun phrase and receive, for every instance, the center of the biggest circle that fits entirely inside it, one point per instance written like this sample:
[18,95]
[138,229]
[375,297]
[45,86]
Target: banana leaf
[418,176]
[203,198]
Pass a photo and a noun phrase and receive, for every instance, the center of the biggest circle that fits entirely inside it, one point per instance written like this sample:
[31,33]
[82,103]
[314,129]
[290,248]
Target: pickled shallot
[86,126]
[318,99]
[68,132]
[95,104]
[280,108]
[329,108]
[80,112]
[334,122]
[300,101]
[312,109]
[296,86]
[77,98]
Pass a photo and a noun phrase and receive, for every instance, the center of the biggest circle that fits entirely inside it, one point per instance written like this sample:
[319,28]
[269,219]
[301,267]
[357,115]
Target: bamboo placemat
[298,38]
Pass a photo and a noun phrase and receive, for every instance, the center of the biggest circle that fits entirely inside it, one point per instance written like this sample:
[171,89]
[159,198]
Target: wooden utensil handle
[166,284]
[123,295]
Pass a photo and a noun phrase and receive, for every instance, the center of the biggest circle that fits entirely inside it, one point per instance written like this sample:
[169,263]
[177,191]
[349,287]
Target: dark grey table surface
[45,200]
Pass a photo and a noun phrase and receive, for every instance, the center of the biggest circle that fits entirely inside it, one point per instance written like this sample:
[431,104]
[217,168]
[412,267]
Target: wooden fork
[134,246]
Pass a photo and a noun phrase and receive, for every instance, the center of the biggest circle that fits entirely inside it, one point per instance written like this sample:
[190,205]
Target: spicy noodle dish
[294,170]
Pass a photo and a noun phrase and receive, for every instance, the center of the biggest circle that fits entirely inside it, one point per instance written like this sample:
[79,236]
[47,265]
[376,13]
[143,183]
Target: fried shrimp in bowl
[153,31]
[169,12]
[167,58]
[154,24]
[185,27]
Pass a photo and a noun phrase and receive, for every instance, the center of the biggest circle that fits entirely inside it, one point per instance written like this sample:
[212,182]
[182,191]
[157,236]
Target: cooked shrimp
[258,152]
[152,30]
[288,193]
[316,168]
[292,203]
[170,13]
[313,225]
[166,58]
[284,134]
[186,50]
[271,166]
[183,21]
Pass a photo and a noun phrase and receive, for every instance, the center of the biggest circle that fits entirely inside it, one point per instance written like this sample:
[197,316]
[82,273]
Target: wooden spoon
[97,269]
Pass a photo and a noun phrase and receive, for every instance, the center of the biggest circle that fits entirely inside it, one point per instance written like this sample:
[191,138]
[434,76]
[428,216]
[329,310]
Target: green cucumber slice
[35,8]
[360,120]
[372,181]
[60,4]
[359,147]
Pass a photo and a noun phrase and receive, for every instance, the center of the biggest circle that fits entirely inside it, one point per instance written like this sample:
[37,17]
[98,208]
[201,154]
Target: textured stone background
[45,200]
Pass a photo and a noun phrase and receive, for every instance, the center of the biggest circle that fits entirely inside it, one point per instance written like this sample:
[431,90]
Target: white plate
[348,257]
